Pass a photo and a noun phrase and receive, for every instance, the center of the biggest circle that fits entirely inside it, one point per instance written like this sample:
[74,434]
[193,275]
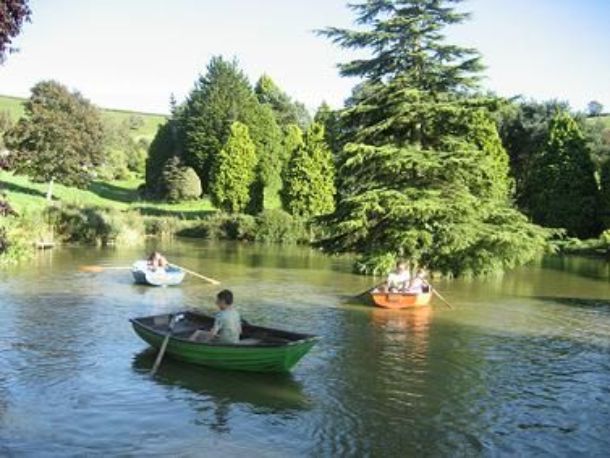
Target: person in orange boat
[399,279]
[157,261]
[418,283]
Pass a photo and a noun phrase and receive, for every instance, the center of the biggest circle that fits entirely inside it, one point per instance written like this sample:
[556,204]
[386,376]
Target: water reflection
[262,393]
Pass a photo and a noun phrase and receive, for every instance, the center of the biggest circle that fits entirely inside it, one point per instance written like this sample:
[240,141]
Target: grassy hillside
[14,106]
[28,197]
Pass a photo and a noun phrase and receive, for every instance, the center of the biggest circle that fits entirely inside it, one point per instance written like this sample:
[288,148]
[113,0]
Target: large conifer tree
[424,175]
[561,186]
[220,97]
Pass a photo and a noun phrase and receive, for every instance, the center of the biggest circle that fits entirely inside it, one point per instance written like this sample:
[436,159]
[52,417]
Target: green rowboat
[260,349]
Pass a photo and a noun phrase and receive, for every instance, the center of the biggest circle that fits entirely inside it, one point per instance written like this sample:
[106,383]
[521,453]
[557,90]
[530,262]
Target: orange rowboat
[400,300]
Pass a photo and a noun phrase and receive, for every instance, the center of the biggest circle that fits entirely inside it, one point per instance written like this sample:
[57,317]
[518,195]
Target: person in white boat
[399,279]
[157,261]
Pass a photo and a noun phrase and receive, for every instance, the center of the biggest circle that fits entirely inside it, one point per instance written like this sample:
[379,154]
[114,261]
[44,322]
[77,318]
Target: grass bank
[147,128]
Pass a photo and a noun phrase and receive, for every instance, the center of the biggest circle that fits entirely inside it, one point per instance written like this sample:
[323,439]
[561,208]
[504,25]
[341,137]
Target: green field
[28,197]
[14,106]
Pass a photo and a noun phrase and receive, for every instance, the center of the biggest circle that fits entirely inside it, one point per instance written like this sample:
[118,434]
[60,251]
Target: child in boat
[398,280]
[227,322]
[418,284]
[156,261]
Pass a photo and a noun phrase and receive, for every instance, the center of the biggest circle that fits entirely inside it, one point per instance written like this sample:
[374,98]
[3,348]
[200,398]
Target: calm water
[520,367]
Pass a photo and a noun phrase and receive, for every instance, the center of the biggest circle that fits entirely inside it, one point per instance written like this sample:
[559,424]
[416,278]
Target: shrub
[179,183]
[161,226]
[277,226]
[222,226]
[96,226]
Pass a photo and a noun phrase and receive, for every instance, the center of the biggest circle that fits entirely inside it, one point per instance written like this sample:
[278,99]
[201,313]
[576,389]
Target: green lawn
[14,106]
[28,197]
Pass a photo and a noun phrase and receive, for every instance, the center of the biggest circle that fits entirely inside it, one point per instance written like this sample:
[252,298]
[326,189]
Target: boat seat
[249,341]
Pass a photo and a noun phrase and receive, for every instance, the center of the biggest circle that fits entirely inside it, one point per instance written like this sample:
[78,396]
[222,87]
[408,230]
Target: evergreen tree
[291,141]
[524,127]
[234,172]
[309,187]
[220,97]
[424,175]
[332,126]
[163,147]
[561,186]
[285,109]
[267,138]
[59,138]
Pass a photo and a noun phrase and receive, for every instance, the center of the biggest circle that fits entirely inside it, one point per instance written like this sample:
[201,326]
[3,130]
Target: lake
[521,366]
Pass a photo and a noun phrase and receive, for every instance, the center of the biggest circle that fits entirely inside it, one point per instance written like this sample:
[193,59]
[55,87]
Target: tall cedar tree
[561,187]
[309,187]
[425,175]
[13,14]
[605,194]
[60,136]
[234,172]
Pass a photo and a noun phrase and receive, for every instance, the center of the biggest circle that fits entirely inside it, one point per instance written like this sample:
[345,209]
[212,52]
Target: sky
[132,54]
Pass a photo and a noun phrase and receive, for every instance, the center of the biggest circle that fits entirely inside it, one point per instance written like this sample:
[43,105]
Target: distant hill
[14,106]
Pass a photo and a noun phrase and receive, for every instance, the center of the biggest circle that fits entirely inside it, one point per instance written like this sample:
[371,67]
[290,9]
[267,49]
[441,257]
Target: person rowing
[399,279]
[156,261]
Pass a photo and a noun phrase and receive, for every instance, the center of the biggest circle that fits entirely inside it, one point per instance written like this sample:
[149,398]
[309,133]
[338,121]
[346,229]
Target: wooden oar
[172,323]
[437,294]
[97,269]
[195,274]
[368,290]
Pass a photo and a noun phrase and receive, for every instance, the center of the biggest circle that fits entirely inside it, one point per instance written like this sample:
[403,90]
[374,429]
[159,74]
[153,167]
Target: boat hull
[170,276]
[401,300]
[239,357]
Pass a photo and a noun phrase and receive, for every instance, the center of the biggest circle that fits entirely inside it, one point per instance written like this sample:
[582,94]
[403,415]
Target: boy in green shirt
[227,322]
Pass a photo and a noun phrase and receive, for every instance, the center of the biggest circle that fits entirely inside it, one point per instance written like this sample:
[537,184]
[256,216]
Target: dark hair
[225,296]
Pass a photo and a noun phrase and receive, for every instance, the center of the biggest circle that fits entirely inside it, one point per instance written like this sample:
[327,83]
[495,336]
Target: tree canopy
[561,187]
[234,172]
[425,175]
[309,186]
[13,14]
[60,136]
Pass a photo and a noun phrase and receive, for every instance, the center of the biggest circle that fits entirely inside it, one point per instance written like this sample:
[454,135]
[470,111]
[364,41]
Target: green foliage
[597,135]
[6,123]
[234,172]
[60,136]
[178,182]
[309,187]
[222,226]
[524,127]
[405,39]
[95,225]
[286,111]
[425,176]
[221,97]
[330,119]
[124,156]
[277,226]
[267,138]
[163,147]
[605,194]
[561,187]
[270,226]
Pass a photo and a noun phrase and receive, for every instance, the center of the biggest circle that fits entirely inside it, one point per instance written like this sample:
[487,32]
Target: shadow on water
[577,302]
[265,393]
